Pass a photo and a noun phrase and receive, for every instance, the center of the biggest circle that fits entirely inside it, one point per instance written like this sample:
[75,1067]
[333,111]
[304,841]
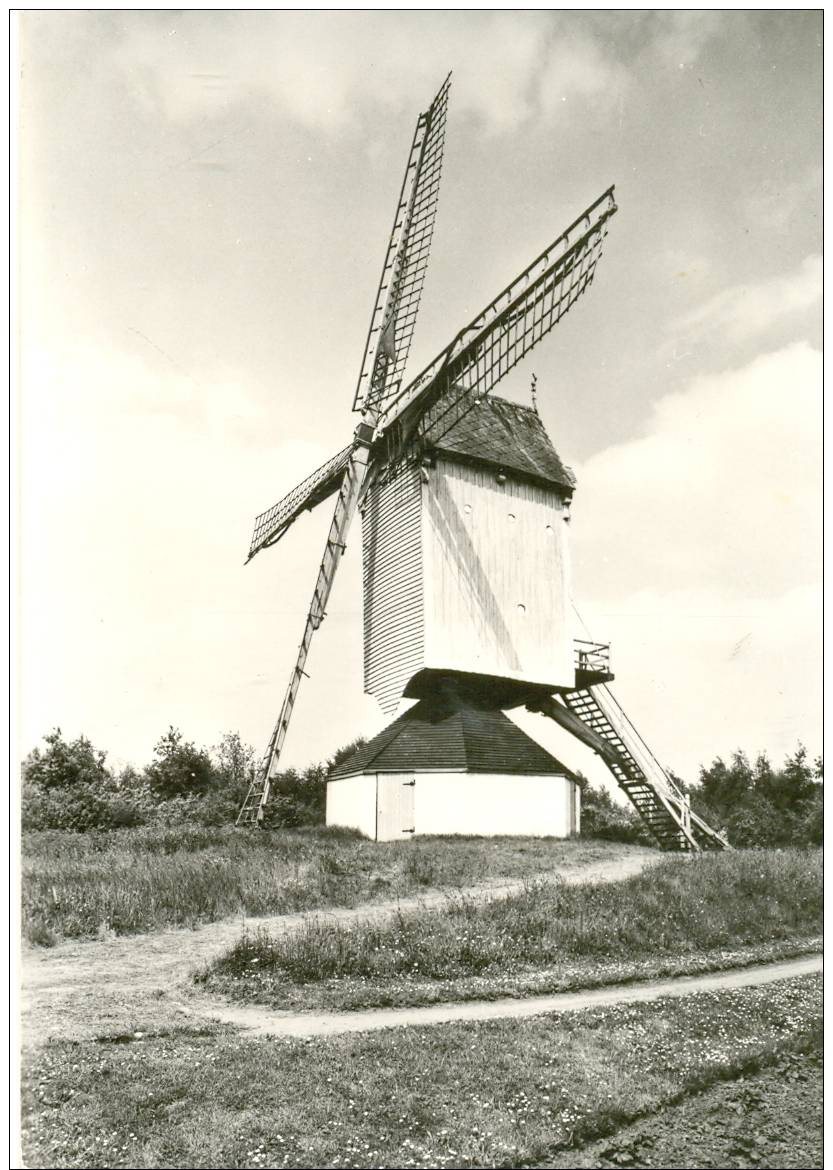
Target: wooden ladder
[662,806]
[251,812]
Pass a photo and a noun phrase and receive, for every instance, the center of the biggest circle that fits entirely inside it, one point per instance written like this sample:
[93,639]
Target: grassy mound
[681,909]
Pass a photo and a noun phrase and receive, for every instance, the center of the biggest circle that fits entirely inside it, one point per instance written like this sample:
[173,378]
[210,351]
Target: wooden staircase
[594,716]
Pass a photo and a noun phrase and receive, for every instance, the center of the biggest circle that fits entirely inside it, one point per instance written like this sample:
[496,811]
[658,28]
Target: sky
[203,205]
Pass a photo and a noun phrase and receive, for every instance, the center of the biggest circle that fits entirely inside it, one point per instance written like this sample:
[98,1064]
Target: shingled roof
[452,738]
[502,434]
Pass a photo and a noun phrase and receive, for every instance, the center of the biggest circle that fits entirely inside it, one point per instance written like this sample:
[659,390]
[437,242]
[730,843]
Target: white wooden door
[394,805]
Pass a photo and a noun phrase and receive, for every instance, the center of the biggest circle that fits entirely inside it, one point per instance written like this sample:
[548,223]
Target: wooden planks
[393,588]
[496,576]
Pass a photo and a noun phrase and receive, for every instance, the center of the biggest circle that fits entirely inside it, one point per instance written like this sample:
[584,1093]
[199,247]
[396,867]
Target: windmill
[467,605]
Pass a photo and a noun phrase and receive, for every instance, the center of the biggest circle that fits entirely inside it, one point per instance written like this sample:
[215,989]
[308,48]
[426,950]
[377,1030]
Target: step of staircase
[657,811]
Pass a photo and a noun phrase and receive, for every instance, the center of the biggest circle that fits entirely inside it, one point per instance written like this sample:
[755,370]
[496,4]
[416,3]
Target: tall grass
[136,880]
[718,900]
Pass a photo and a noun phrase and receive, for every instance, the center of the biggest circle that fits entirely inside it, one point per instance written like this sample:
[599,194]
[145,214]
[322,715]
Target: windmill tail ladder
[595,718]
[251,812]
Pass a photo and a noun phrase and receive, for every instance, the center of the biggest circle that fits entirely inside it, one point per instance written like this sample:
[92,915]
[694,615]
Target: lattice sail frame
[496,340]
[406,262]
[393,318]
[273,523]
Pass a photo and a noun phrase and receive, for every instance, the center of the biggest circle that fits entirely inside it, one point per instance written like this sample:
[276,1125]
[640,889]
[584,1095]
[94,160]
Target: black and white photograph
[417,568]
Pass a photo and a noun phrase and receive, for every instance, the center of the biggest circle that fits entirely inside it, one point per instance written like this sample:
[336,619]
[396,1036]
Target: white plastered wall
[352,804]
[472,804]
[495,805]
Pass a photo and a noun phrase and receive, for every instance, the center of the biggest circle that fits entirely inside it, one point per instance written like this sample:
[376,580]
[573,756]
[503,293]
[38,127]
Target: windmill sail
[272,524]
[498,338]
[406,261]
[394,314]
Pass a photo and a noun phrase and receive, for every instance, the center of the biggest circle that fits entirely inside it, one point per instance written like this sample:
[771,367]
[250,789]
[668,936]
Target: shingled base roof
[443,737]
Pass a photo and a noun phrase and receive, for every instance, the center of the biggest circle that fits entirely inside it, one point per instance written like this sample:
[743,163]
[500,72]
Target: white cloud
[702,675]
[579,69]
[777,205]
[722,491]
[680,36]
[746,311]
[137,498]
[697,554]
[329,70]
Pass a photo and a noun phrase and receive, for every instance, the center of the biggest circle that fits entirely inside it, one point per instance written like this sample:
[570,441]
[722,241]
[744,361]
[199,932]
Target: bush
[758,805]
[69,786]
[299,799]
[603,818]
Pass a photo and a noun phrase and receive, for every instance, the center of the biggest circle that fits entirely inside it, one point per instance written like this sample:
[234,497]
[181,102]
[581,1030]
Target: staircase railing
[591,656]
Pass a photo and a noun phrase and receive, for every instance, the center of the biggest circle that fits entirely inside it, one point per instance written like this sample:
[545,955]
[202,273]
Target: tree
[763,805]
[69,786]
[180,768]
[724,787]
[64,765]
[344,753]
[234,760]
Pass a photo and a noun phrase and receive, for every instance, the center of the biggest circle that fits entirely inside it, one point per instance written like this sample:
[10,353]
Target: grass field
[139,880]
[716,910]
[507,1093]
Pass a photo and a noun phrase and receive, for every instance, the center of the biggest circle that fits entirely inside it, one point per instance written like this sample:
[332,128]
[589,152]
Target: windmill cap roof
[440,736]
[503,434]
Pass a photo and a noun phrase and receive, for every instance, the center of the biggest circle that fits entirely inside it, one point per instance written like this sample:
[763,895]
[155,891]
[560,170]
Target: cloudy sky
[204,204]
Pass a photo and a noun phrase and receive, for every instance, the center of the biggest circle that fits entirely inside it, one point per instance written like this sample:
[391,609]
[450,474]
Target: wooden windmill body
[467,603]
[467,611]
[466,564]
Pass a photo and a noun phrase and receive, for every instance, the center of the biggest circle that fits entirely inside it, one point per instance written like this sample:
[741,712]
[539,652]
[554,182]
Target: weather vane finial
[534,389]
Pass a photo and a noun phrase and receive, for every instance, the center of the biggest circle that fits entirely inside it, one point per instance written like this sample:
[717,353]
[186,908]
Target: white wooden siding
[496,577]
[394,805]
[393,588]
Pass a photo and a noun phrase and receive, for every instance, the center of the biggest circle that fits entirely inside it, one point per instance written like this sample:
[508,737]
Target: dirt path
[84,989]
[262,1022]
